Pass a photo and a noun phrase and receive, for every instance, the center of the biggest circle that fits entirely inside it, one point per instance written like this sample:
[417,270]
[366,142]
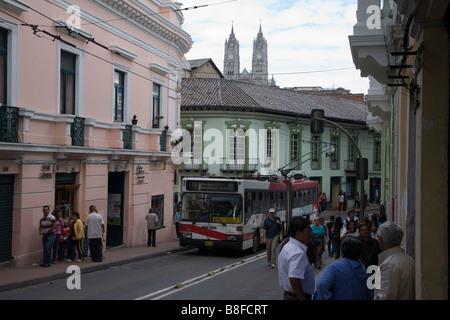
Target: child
[63,244]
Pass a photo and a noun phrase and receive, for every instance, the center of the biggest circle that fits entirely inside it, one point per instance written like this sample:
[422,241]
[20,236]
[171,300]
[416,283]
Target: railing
[127,137]
[239,165]
[190,165]
[349,165]
[9,124]
[77,131]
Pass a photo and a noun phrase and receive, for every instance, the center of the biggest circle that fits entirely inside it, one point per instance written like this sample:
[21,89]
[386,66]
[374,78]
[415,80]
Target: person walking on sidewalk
[152,224]
[47,226]
[95,230]
[78,235]
[271,227]
[319,241]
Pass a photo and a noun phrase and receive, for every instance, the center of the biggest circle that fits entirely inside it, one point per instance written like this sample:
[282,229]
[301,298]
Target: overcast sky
[304,36]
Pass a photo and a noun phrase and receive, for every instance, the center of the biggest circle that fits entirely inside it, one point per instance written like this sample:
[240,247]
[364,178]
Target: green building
[238,129]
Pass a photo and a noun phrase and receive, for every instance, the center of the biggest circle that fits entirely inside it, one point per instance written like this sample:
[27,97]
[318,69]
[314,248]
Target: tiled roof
[200,93]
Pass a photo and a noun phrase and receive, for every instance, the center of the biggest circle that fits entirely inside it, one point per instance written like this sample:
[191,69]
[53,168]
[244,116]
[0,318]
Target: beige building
[404,48]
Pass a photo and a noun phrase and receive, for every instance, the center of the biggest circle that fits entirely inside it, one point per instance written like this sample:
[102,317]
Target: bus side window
[282,200]
[248,202]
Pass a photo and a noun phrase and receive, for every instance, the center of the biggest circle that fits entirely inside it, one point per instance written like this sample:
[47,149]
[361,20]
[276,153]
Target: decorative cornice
[152,22]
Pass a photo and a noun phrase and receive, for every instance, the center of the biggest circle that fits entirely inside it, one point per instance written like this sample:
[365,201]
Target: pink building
[72,78]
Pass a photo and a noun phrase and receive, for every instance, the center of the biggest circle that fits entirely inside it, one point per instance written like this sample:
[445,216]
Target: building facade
[404,49]
[241,130]
[90,96]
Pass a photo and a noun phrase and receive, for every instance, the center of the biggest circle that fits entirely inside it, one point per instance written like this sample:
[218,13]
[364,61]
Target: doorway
[114,227]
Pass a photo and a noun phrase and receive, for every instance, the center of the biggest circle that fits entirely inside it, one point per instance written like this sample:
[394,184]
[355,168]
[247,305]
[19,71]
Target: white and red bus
[230,213]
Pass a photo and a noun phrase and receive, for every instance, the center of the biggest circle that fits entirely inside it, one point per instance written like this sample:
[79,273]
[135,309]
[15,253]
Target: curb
[89,269]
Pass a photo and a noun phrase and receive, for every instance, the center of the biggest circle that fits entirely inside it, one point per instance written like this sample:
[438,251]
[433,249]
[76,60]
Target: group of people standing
[358,245]
[65,239]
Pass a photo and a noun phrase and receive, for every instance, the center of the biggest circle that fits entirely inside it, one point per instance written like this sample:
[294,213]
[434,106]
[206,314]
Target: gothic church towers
[231,68]
[231,58]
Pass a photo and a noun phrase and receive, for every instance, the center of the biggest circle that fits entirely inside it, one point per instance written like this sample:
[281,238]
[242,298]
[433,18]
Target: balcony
[247,165]
[350,166]
[9,124]
[190,165]
[77,131]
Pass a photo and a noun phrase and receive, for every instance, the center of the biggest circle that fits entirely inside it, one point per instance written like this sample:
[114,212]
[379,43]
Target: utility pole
[317,127]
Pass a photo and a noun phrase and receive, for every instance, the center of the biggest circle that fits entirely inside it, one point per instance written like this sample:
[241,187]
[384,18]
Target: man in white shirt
[295,274]
[95,229]
[397,274]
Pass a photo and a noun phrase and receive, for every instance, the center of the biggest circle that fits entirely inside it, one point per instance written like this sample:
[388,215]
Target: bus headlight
[187,235]
[231,238]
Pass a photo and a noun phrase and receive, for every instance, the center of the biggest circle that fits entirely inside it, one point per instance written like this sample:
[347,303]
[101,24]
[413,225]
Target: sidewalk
[17,277]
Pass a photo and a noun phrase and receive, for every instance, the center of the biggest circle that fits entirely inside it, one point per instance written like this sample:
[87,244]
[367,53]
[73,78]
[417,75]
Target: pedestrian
[63,241]
[95,231]
[344,206]
[78,235]
[351,216]
[47,226]
[345,279]
[59,226]
[370,247]
[176,220]
[271,227]
[357,199]
[92,208]
[340,201]
[295,274]
[318,232]
[350,229]
[397,274]
[324,201]
[152,224]
[319,200]
[336,239]
[373,225]
[330,235]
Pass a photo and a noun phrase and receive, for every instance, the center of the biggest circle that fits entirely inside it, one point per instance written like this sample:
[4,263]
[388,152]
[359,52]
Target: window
[295,150]
[315,152]
[119,91]
[334,156]
[237,149]
[156,104]
[3,66]
[269,141]
[67,83]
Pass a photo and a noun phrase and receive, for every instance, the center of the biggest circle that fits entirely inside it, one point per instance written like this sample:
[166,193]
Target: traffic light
[365,168]
[317,125]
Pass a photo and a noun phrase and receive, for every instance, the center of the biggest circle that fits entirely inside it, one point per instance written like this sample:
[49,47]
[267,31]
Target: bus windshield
[211,207]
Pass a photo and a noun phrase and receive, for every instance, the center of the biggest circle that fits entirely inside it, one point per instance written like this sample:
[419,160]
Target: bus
[230,213]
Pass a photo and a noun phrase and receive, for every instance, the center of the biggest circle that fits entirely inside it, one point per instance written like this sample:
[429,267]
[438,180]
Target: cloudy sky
[304,37]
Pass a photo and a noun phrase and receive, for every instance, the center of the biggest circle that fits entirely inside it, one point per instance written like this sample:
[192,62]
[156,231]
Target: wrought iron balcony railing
[239,165]
[77,131]
[127,137]
[9,124]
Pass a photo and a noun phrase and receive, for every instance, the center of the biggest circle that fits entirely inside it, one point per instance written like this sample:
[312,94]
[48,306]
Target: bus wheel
[255,242]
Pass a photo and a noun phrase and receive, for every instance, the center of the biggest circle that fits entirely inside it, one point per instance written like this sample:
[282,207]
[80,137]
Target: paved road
[215,275]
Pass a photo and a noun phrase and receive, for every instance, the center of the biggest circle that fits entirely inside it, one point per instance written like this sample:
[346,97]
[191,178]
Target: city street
[190,275]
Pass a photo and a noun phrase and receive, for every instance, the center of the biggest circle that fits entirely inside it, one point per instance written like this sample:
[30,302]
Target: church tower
[260,61]
[231,68]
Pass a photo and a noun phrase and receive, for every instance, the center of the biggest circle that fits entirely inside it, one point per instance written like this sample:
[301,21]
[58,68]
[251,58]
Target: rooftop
[223,94]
